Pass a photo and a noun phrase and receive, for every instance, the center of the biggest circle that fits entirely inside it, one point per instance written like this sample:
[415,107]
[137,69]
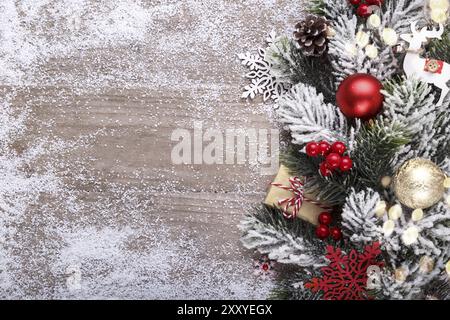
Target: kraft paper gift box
[308,211]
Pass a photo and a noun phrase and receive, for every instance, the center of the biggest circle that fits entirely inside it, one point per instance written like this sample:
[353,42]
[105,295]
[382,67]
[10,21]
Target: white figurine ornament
[428,70]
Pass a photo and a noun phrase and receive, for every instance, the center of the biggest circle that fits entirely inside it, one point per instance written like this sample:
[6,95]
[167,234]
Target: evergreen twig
[291,65]
[317,7]
[440,48]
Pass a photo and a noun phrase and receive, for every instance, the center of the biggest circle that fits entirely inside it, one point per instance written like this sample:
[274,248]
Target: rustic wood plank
[122,215]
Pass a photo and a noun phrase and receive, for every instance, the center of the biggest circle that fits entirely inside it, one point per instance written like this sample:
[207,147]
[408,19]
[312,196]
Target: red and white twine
[297,187]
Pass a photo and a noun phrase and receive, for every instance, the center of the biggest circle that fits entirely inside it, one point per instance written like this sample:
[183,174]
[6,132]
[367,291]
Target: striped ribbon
[297,187]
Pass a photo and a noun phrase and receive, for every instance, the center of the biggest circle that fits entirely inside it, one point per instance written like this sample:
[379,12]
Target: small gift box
[287,193]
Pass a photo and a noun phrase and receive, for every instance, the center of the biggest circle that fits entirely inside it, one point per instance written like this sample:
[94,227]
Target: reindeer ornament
[428,70]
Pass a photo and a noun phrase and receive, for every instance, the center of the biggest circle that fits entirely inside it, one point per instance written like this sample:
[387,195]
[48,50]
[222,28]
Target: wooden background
[104,84]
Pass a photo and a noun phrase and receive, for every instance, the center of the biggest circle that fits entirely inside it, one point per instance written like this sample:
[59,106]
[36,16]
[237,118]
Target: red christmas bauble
[322,232]
[324,148]
[325,218]
[336,233]
[312,149]
[346,164]
[359,96]
[324,170]
[333,161]
[338,147]
[354,2]
[374,2]
[363,11]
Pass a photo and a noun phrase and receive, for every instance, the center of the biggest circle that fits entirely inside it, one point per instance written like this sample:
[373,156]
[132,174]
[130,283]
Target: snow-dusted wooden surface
[91,90]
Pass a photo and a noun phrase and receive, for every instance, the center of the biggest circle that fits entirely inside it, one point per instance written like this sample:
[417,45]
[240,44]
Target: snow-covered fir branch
[359,221]
[409,279]
[362,225]
[410,103]
[347,57]
[305,114]
[290,66]
[429,242]
[395,13]
[271,235]
[281,59]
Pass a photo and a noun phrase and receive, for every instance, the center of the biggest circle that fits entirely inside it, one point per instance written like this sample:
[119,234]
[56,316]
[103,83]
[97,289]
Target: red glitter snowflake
[345,278]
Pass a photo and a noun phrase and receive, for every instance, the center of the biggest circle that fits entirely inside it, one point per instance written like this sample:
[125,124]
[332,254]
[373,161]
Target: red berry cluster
[333,154]
[323,230]
[363,9]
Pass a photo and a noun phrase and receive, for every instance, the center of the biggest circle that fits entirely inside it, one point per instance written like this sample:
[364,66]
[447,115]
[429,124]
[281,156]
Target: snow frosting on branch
[410,103]
[362,226]
[347,58]
[396,11]
[304,112]
[359,221]
[413,287]
[275,239]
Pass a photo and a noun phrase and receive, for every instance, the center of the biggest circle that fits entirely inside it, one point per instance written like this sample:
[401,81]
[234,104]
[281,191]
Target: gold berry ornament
[401,274]
[380,209]
[395,212]
[386,182]
[447,183]
[439,10]
[426,264]
[388,227]
[410,235]
[419,183]
[417,215]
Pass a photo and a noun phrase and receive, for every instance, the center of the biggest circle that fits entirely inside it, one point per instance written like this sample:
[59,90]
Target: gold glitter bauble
[419,183]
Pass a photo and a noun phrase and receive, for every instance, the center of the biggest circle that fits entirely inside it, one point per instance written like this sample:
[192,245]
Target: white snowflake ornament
[263,82]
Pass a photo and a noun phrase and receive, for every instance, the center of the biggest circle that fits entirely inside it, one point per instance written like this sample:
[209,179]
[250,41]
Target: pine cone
[311,35]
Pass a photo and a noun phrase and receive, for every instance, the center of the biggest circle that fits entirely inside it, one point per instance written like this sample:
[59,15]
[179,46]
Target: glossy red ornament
[312,149]
[338,147]
[324,170]
[346,164]
[374,2]
[333,161]
[359,96]
[354,2]
[324,148]
[336,233]
[325,218]
[363,11]
[322,231]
